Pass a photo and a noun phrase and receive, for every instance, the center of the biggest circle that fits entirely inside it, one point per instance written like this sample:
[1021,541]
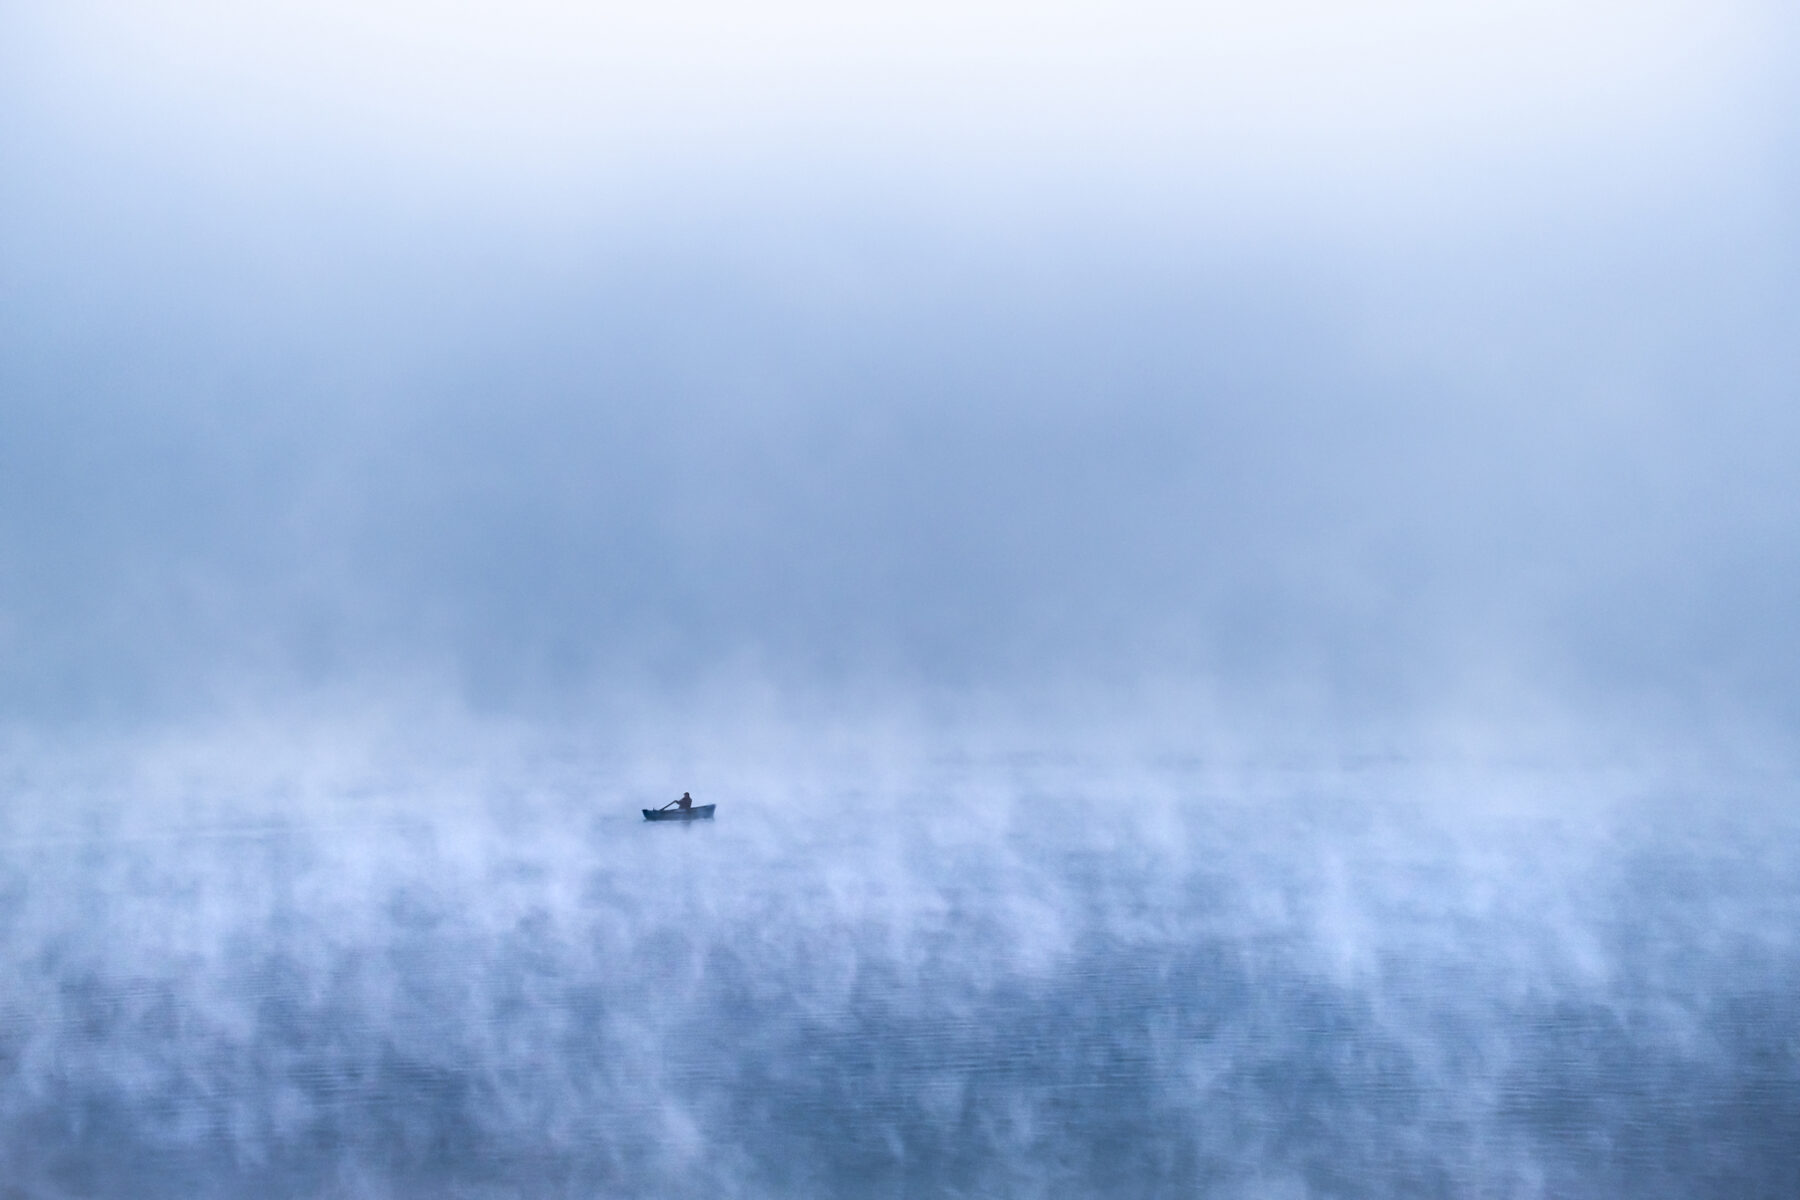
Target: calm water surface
[968,985]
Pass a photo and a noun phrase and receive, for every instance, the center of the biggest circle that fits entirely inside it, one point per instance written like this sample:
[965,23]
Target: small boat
[700,812]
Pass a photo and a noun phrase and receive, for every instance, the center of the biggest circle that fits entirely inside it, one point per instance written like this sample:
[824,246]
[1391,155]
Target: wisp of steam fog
[1230,573]
[1017,976]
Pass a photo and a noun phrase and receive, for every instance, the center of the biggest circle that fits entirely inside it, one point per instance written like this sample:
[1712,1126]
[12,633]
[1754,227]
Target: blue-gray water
[1027,978]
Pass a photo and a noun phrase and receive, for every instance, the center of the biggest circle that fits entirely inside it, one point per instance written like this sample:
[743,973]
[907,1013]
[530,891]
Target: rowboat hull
[700,812]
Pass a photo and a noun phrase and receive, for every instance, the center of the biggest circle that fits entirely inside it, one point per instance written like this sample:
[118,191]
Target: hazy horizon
[325,374]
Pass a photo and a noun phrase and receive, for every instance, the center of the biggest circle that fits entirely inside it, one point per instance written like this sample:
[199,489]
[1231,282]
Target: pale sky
[1406,356]
[1282,94]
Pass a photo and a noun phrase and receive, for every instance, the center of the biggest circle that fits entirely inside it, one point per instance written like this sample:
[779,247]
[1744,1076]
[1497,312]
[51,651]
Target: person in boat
[686,802]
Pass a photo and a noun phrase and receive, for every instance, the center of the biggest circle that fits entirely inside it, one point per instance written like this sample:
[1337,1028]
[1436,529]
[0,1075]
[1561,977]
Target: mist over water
[1012,975]
[1230,570]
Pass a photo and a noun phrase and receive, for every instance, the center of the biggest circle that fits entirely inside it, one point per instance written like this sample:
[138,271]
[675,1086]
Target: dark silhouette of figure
[686,802]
